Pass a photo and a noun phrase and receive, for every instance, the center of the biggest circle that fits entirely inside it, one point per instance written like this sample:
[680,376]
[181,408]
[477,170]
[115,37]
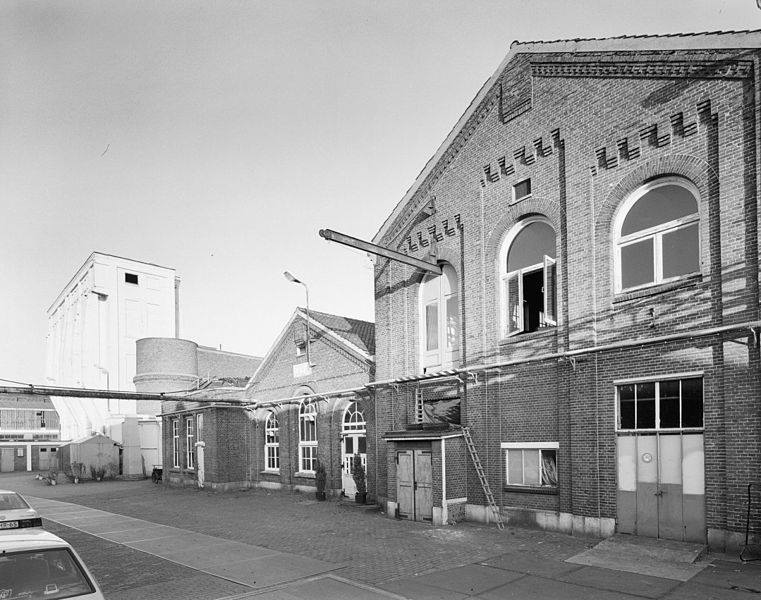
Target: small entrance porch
[419,463]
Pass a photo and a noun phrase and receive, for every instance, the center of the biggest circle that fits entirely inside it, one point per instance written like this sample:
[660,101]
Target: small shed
[96,455]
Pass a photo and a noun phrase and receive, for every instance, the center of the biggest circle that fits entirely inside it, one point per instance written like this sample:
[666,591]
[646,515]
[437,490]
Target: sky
[217,138]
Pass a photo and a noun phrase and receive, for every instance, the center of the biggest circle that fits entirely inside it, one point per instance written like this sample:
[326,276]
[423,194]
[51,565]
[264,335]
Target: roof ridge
[637,37]
[319,312]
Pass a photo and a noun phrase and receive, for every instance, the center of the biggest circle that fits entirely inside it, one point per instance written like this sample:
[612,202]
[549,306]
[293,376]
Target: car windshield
[42,574]
[11,501]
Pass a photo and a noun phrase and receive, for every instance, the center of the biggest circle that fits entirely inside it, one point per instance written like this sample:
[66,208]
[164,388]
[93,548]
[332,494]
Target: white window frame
[529,446]
[190,449]
[655,233]
[551,317]
[307,448]
[657,381]
[176,443]
[445,355]
[272,448]
[354,420]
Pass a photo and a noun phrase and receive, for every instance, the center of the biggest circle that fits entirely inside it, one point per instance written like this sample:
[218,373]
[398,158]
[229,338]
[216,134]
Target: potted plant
[320,479]
[360,480]
[77,471]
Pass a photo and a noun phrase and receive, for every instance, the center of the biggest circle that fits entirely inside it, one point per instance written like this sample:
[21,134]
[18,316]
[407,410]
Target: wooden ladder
[482,476]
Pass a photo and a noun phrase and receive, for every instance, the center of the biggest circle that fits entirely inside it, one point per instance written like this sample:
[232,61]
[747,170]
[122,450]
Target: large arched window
[308,436]
[528,276]
[272,443]
[440,319]
[657,234]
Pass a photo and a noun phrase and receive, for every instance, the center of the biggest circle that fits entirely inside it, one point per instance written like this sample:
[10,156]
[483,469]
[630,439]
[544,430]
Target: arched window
[440,319]
[354,420]
[657,234]
[272,443]
[307,436]
[529,277]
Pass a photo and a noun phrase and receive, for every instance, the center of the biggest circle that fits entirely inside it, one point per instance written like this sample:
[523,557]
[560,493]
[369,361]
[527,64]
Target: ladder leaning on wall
[482,476]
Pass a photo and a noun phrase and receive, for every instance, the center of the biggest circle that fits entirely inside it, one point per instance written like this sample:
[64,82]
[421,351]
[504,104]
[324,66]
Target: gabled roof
[28,402]
[359,333]
[355,335]
[668,42]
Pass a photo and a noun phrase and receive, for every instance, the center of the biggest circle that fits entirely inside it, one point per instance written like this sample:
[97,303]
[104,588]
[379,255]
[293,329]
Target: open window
[657,234]
[531,465]
[529,278]
[440,319]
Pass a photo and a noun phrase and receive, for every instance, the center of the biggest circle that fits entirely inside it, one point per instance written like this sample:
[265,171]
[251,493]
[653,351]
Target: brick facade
[234,421]
[589,127]
[336,365]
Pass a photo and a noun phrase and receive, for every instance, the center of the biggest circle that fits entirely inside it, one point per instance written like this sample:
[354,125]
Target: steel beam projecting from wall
[352,242]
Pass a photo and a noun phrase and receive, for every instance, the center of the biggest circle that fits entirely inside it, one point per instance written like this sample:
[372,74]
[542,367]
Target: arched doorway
[353,441]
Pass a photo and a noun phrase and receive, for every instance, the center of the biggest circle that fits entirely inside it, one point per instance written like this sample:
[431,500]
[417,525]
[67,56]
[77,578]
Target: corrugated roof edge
[668,41]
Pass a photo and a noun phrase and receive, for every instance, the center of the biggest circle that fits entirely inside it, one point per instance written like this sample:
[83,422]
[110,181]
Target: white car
[38,565]
[15,512]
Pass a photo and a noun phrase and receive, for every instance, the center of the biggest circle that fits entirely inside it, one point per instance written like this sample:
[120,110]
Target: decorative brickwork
[616,121]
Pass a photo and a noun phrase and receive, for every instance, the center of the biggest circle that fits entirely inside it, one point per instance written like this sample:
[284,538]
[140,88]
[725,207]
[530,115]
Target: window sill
[306,474]
[544,332]
[523,489]
[664,431]
[657,288]
[270,472]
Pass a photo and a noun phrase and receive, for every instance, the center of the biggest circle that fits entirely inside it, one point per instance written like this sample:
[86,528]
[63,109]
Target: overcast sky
[235,131]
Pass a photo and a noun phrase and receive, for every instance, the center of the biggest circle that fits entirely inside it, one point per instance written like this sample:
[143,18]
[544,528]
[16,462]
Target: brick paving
[375,548]
[141,576]
[414,560]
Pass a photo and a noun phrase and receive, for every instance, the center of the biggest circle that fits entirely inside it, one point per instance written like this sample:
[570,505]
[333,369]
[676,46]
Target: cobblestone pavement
[141,576]
[407,559]
[374,547]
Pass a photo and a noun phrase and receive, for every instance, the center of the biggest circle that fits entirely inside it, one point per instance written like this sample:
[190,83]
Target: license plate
[8,524]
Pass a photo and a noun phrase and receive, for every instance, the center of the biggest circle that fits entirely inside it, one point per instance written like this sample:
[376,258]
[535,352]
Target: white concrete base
[599,527]
[270,485]
[721,540]
[391,507]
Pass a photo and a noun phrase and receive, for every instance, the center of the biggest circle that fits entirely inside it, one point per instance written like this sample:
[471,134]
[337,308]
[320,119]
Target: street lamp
[293,279]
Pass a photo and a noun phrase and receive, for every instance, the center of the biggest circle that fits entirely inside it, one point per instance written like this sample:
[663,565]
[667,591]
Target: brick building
[594,320]
[30,433]
[305,403]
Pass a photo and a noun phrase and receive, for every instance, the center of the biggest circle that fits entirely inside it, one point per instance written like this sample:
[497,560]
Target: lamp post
[293,279]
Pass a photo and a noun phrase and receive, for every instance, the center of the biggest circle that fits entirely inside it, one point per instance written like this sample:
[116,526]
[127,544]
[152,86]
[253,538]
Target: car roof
[32,538]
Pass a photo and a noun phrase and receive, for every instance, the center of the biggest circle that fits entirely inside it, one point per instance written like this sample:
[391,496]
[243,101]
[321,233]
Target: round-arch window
[440,319]
[530,245]
[658,239]
[354,420]
[529,274]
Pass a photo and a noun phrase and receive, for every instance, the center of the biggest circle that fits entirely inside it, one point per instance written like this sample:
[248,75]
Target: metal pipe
[750,325]
[93,393]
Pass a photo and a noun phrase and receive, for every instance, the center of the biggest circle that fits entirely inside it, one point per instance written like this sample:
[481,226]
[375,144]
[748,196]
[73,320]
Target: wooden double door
[414,484]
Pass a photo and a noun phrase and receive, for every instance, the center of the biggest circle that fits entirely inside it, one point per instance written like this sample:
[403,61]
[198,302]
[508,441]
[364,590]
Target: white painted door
[6,459]
[352,443]
[661,486]
[200,463]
